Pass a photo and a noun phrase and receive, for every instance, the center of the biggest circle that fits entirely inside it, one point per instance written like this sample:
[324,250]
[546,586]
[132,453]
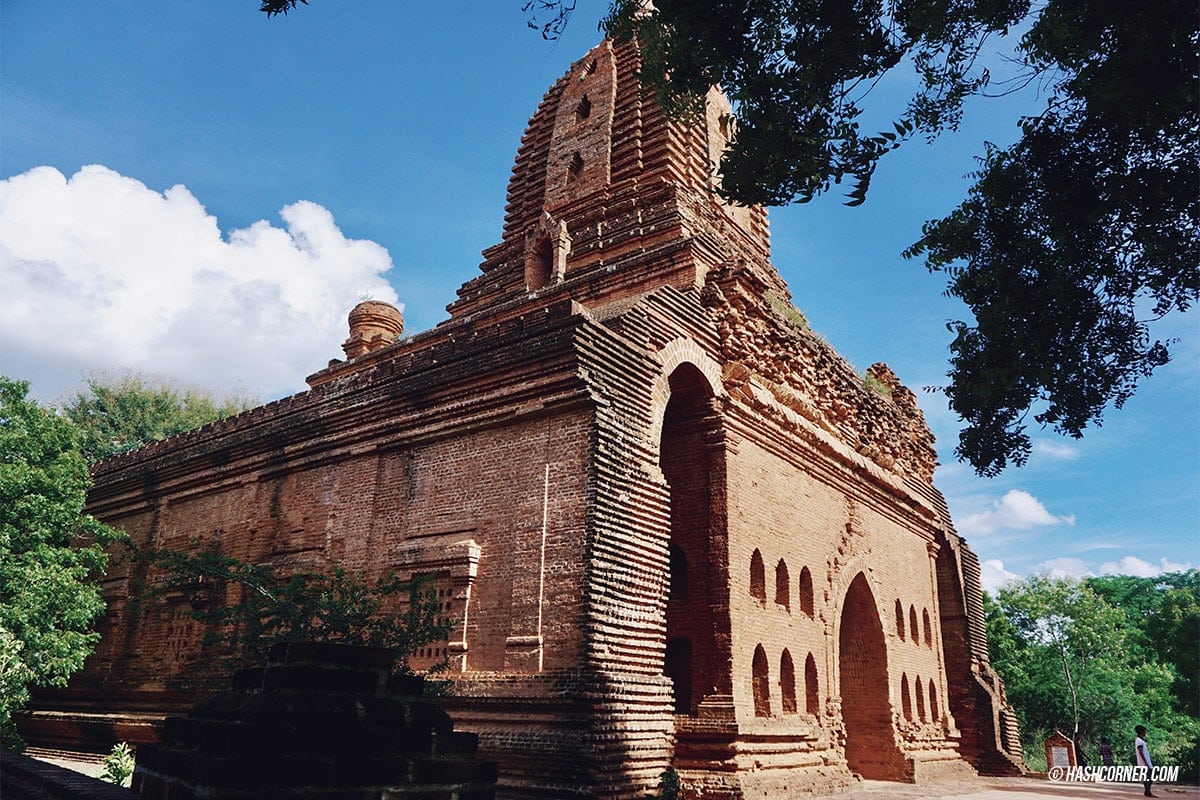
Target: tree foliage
[118,414]
[1164,613]
[796,72]
[273,7]
[1100,656]
[268,607]
[49,551]
[1074,239]
[548,17]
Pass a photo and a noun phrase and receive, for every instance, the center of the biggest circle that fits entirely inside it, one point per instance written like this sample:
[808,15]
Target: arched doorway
[862,657]
[688,463]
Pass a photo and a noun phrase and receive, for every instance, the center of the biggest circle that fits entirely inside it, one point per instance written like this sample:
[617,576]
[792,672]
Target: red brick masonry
[671,525]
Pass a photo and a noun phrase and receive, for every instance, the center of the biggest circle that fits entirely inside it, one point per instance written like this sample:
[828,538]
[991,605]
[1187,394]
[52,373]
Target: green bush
[118,765]
[670,787]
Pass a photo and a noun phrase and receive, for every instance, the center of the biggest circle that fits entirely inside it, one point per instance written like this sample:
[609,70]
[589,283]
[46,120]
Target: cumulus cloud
[101,272]
[1132,565]
[1017,510]
[993,575]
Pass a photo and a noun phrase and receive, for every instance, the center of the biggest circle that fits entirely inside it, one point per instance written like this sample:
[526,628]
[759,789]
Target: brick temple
[671,526]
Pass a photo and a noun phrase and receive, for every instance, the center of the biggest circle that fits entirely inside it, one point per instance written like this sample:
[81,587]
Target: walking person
[1141,755]
[1106,753]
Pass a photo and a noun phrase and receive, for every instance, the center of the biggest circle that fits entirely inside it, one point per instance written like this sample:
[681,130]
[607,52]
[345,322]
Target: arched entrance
[862,656]
[688,464]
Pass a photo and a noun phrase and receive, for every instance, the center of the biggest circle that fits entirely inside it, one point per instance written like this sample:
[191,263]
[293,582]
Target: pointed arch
[912,625]
[758,577]
[760,678]
[927,628]
[864,684]
[905,697]
[934,713]
[783,586]
[690,470]
[547,246]
[583,109]
[812,692]
[687,369]
[920,692]
[787,683]
[539,265]
[575,167]
[900,619]
[806,593]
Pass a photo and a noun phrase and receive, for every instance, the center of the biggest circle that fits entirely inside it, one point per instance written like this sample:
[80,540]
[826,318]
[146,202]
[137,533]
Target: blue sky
[247,181]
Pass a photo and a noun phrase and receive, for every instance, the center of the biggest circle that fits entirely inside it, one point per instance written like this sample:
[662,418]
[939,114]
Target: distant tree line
[117,413]
[1097,656]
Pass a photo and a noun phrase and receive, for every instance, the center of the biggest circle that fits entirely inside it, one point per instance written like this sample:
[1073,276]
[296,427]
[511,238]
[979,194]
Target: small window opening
[728,125]
[905,698]
[927,627]
[812,696]
[761,683]
[575,168]
[806,593]
[900,620]
[912,625]
[783,586]
[591,68]
[539,265]
[787,683]
[758,578]
[584,109]
[920,690]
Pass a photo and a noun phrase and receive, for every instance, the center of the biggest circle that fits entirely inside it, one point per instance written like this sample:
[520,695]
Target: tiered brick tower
[672,526]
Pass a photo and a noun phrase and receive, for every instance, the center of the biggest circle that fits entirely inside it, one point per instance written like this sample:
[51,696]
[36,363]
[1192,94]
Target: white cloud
[101,272]
[1064,567]
[1132,565]
[993,575]
[1056,450]
[1017,510]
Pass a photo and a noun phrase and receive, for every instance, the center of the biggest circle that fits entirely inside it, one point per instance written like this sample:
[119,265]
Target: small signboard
[1060,751]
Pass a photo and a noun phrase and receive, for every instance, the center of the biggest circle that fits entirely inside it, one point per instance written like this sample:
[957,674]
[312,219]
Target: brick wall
[624,386]
[24,778]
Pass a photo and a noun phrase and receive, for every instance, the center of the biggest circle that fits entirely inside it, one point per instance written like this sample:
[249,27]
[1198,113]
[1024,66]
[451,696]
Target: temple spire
[608,197]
